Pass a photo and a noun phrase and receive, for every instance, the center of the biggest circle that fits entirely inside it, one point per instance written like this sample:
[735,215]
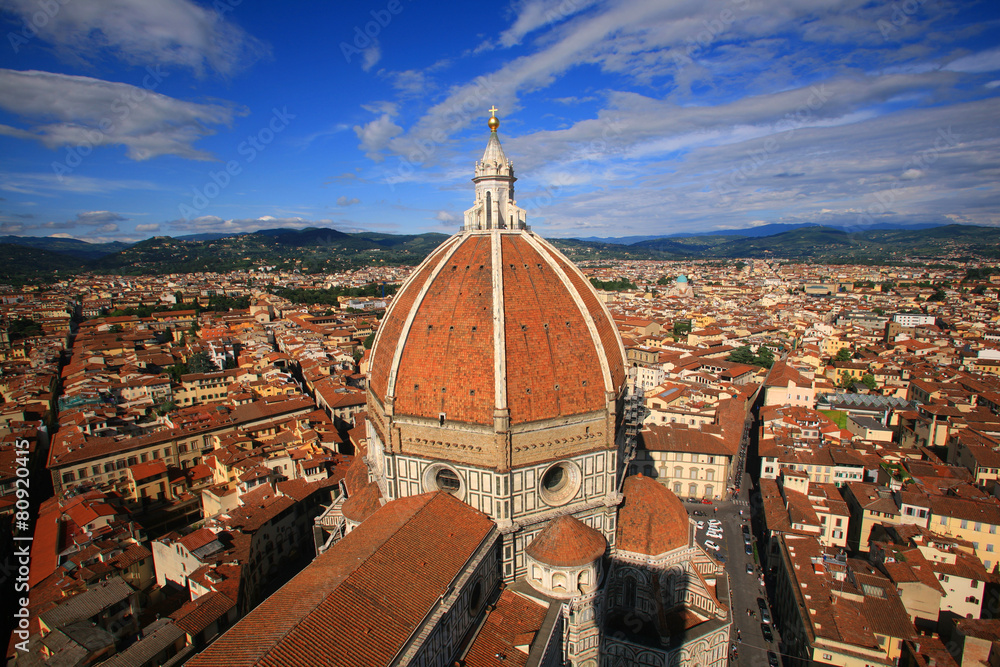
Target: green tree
[764,357]
[843,354]
[665,280]
[369,341]
[23,327]
[938,295]
[846,380]
[742,355]
[200,362]
[869,381]
[740,265]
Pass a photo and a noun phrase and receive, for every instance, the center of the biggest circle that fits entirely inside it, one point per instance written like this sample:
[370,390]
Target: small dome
[652,521]
[682,278]
[567,542]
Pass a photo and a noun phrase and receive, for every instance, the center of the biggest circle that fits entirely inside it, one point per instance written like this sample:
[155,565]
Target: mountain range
[316,249]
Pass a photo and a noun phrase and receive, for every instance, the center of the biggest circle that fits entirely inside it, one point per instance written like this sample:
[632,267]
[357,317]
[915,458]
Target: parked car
[700,525]
[749,568]
[714,535]
[709,544]
[699,513]
[761,604]
[748,549]
[706,501]
[765,616]
[772,659]
[692,499]
[765,630]
[714,522]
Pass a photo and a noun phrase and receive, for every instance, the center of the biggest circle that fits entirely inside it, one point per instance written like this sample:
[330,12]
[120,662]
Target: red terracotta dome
[567,542]
[652,521]
[496,320]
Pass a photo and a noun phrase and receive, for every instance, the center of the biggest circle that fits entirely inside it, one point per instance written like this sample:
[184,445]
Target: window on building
[693,490]
[677,488]
[693,473]
[710,475]
[965,524]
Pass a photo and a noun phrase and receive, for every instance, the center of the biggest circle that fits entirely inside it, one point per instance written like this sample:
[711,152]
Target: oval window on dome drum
[440,477]
[559,483]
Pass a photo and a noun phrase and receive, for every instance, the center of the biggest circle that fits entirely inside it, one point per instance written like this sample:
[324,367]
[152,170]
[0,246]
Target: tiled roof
[567,542]
[196,615]
[652,520]
[515,620]
[362,504]
[357,604]
[447,365]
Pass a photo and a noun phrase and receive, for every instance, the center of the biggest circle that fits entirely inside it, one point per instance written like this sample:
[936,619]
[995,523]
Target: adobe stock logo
[250,148]
[366,37]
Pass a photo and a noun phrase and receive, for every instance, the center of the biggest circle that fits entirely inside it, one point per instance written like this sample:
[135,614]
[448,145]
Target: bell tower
[494,207]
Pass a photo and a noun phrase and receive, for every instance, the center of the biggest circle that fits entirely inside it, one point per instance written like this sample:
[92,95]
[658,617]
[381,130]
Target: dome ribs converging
[392,328]
[552,366]
[451,337]
[613,348]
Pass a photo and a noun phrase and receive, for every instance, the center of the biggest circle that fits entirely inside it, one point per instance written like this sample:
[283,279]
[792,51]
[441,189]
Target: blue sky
[124,119]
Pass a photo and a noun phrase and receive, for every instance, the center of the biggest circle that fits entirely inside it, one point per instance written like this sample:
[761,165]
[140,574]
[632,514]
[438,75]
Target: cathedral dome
[493,322]
[497,356]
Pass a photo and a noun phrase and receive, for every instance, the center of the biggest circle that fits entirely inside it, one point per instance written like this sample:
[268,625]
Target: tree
[200,362]
[369,340]
[166,407]
[869,381]
[843,354]
[938,295]
[23,327]
[846,379]
[740,265]
[764,357]
[665,280]
[115,328]
[741,355]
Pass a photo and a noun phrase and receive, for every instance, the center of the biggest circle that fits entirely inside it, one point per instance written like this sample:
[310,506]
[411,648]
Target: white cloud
[91,112]
[213,223]
[445,216]
[145,229]
[165,32]
[375,136]
[371,56]
[344,201]
[49,183]
[986,61]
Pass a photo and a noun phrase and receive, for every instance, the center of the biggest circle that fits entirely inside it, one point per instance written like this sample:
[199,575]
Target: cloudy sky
[124,119]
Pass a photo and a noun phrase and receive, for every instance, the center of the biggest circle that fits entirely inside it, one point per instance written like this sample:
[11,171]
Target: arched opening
[489,210]
[559,581]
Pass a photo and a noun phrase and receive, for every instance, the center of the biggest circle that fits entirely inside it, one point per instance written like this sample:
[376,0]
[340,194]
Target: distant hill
[318,249]
[760,230]
[72,247]
[20,264]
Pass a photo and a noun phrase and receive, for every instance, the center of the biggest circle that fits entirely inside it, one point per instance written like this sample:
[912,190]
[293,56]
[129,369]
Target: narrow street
[752,647]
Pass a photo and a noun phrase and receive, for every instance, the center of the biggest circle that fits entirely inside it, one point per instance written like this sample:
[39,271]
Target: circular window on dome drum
[440,477]
[560,482]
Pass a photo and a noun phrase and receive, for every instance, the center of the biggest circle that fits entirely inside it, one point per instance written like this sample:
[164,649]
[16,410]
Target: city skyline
[623,118]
